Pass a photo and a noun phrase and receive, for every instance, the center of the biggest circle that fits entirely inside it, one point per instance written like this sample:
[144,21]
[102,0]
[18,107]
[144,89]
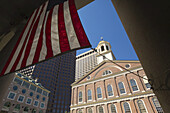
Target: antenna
[101,38]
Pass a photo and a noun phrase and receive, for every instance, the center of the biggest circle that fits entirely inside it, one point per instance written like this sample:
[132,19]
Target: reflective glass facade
[56,75]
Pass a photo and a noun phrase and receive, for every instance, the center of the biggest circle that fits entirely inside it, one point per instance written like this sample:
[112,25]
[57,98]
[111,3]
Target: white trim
[129,106]
[22,100]
[42,103]
[82,96]
[27,100]
[91,95]
[143,104]
[9,94]
[112,90]
[106,77]
[113,101]
[101,93]
[124,88]
[136,85]
[102,107]
[115,107]
[34,103]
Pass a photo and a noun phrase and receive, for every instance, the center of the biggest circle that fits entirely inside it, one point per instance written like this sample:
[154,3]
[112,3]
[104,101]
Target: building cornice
[105,77]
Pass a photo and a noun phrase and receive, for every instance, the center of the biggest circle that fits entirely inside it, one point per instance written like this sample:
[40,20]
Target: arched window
[133,84]
[107,72]
[126,107]
[141,106]
[109,90]
[7,104]
[146,82]
[107,47]
[80,111]
[101,109]
[89,97]
[102,48]
[26,110]
[121,88]
[17,107]
[80,96]
[113,108]
[90,110]
[99,92]
[157,105]
[33,111]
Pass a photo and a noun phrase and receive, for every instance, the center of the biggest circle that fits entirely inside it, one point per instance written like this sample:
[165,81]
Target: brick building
[108,88]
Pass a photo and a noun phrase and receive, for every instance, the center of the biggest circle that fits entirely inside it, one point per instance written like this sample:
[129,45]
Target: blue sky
[100,19]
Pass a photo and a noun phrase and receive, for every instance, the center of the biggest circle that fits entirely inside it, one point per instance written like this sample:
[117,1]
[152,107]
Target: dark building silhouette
[56,75]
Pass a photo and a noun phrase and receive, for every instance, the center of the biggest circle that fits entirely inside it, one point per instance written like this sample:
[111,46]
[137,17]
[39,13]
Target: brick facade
[136,94]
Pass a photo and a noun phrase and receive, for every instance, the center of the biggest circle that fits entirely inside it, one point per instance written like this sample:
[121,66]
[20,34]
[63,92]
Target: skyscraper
[56,75]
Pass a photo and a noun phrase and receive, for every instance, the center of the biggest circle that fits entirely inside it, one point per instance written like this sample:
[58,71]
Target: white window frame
[101,93]
[91,95]
[129,106]
[27,100]
[82,97]
[9,94]
[22,100]
[124,88]
[34,103]
[112,91]
[42,103]
[136,85]
[143,104]
[103,109]
[115,107]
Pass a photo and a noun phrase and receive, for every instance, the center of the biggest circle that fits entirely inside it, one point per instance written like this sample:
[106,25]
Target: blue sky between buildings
[100,19]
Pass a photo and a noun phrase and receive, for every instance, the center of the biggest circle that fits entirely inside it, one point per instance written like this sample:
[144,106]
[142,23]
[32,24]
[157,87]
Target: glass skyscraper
[56,75]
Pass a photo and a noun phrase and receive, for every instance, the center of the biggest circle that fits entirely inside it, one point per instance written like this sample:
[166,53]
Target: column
[84,94]
[133,106]
[115,89]
[104,90]
[106,108]
[94,92]
[148,105]
[72,96]
[128,90]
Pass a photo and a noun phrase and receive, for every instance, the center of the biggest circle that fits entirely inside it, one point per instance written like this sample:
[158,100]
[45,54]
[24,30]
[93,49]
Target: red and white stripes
[47,34]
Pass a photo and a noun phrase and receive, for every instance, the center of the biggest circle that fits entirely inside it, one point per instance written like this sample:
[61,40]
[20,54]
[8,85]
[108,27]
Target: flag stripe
[83,40]
[64,44]
[17,45]
[73,41]
[19,57]
[27,37]
[48,35]
[31,38]
[43,52]
[36,36]
[54,32]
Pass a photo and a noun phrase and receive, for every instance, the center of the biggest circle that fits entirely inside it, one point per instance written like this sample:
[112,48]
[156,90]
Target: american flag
[48,32]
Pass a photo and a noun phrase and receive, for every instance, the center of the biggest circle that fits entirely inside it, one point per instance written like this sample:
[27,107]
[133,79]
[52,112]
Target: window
[33,111]
[7,104]
[80,96]
[80,111]
[29,100]
[18,80]
[113,108]
[36,103]
[102,48]
[107,47]
[24,91]
[17,107]
[126,107]
[26,84]
[39,90]
[42,105]
[89,97]
[101,109]
[109,90]
[157,105]
[141,106]
[107,72]
[90,110]
[15,88]
[31,94]
[26,109]
[133,85]
[21,98]
[99,92]
[121,88]
[11,95]
[45,93]
[32,87]
[146,82]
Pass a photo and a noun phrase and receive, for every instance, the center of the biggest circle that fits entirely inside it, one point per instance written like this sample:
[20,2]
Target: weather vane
[101,38]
